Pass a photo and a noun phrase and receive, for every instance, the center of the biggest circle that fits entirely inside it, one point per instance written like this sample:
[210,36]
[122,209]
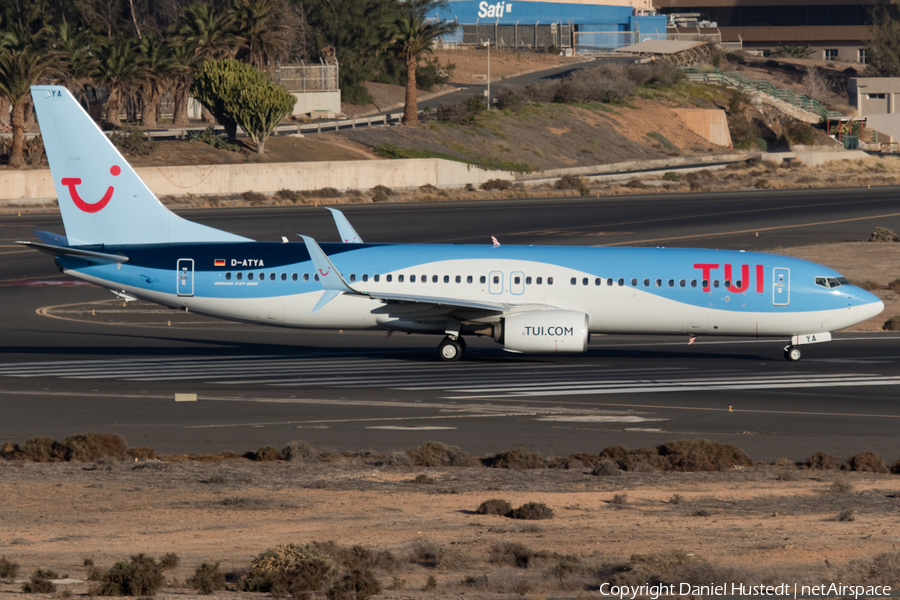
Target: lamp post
[488,91]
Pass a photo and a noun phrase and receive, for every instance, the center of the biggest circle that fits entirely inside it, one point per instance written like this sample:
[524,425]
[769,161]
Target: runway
[72,360]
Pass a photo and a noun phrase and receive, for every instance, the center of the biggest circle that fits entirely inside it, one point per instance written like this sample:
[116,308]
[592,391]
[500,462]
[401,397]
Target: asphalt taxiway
[74,359]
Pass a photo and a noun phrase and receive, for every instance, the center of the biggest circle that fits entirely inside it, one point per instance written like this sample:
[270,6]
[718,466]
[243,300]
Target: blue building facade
[573,17]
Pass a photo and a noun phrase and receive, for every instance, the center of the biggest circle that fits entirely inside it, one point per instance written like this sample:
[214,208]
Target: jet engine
[544,331]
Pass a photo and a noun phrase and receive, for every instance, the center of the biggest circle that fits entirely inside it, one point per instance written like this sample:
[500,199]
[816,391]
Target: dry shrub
[8,569]
[360,557]
[92,446]
[519,458]
[868,462]
[823,461]
[265,454]
[894,285]
[684,455]
[670,566]
[142,453]
[626,458]
[328,192]
[299,451]
[439,454]
[514,554]
[840,486]
[428,554]
[895,469]
[846,515]
[40,583]
[43,449]
[358,584]
[289,569]
[496,184]
[207,579]
[883,234]
[573,461]
[532,511]
[494,506]
[892,324]
[619,500]
[140,576]
[606,468]
[290,195]
[423,479]
[881,569]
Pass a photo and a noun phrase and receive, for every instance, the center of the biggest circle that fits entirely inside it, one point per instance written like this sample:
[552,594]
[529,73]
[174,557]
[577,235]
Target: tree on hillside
[883,50]
[117,69]
[410,37]
[24,59]
[159,70]
[261,31]
[239,94]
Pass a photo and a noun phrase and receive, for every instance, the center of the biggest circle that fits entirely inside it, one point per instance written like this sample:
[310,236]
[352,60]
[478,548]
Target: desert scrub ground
[416,531]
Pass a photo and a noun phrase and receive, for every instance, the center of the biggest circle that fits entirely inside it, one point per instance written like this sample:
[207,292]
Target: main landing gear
[451,348]
[791,353]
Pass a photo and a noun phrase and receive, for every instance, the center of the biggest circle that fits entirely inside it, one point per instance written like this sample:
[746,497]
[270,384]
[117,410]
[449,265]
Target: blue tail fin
[101,198]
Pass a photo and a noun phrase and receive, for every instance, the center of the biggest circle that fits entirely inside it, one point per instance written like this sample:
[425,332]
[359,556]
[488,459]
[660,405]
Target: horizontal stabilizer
[72,251]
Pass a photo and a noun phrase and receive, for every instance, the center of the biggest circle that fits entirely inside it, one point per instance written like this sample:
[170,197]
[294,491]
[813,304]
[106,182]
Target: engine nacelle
[545,331]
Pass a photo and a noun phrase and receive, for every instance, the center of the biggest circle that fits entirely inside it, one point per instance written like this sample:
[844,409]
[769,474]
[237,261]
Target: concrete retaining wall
[708,123]
[269,178]
[321,104]
[814,158]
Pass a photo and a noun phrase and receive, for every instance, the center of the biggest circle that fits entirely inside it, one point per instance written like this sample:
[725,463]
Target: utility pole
[488,92]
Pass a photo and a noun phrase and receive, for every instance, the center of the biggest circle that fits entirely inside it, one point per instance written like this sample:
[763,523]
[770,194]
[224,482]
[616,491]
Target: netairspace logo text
[784,590]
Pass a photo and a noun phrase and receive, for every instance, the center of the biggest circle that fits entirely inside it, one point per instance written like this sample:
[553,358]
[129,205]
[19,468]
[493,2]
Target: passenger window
[518,280]
[483,279]
[693,283]
[352,277]
[682,283]
[634,283]
[598,281]
[446,279]
[737,284]
[250,276]
[424,279]
[705,283]
[609,281]
[228,276]
[539,280]
[315,276]
[458,279]
[584,281]
[305,277]
[365,277]
[240,276]
[549,281]
[671,283]
[727,283]
[412,278]
[376,277]
[573,281]
[646,283]
[271,276]
[621,281]
[659,283]
[400,278]
[469,279]
[284,276]
[389,278]
[528,281]
[496,279]
[715,283]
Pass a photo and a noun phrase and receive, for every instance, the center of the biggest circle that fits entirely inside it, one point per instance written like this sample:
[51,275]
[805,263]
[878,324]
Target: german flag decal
[220,262]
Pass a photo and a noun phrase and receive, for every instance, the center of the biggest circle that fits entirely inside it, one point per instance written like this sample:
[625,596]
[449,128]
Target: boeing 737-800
[527,298]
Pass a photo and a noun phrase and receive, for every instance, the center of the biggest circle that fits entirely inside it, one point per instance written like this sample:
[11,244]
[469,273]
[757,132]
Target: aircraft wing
[437,301]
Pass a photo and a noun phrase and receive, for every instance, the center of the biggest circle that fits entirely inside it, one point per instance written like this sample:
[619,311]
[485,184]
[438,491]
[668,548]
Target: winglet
[329,276]
[348,234]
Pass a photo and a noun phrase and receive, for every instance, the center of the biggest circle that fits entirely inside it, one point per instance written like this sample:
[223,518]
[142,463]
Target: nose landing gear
[791,353]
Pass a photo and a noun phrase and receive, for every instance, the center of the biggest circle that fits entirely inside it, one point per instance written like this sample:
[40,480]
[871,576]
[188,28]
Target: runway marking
[469,382]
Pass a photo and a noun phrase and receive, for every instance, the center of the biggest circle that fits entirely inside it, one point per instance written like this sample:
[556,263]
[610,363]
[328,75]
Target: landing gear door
[184,276]
[781,286]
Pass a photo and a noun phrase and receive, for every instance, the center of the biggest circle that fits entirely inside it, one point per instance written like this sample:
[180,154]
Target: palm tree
[24,59]
[74,46]
[261,33]
[185,64]
[410,37]
[209,32]
[158,69]
[117,69]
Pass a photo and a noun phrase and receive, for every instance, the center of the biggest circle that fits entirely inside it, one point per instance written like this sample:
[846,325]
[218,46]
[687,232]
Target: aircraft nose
[870,309]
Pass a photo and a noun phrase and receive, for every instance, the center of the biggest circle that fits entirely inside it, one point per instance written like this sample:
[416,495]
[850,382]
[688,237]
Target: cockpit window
[831,282]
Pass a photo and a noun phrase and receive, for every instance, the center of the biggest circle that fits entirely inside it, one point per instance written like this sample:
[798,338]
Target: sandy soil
[763,523]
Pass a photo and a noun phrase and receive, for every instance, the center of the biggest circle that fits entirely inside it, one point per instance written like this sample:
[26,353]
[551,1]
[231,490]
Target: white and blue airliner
[527,298]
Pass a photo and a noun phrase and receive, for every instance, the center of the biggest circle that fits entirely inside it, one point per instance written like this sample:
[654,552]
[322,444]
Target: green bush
[130,141]
[289,569]
[671,176]
[141,576]
[798,132]
[207,579]
[209,136]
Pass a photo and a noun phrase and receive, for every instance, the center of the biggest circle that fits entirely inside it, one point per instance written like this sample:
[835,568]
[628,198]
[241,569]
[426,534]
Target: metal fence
[308,78]
[518,36]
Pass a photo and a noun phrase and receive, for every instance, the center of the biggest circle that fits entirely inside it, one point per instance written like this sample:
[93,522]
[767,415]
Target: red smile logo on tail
[88,207]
